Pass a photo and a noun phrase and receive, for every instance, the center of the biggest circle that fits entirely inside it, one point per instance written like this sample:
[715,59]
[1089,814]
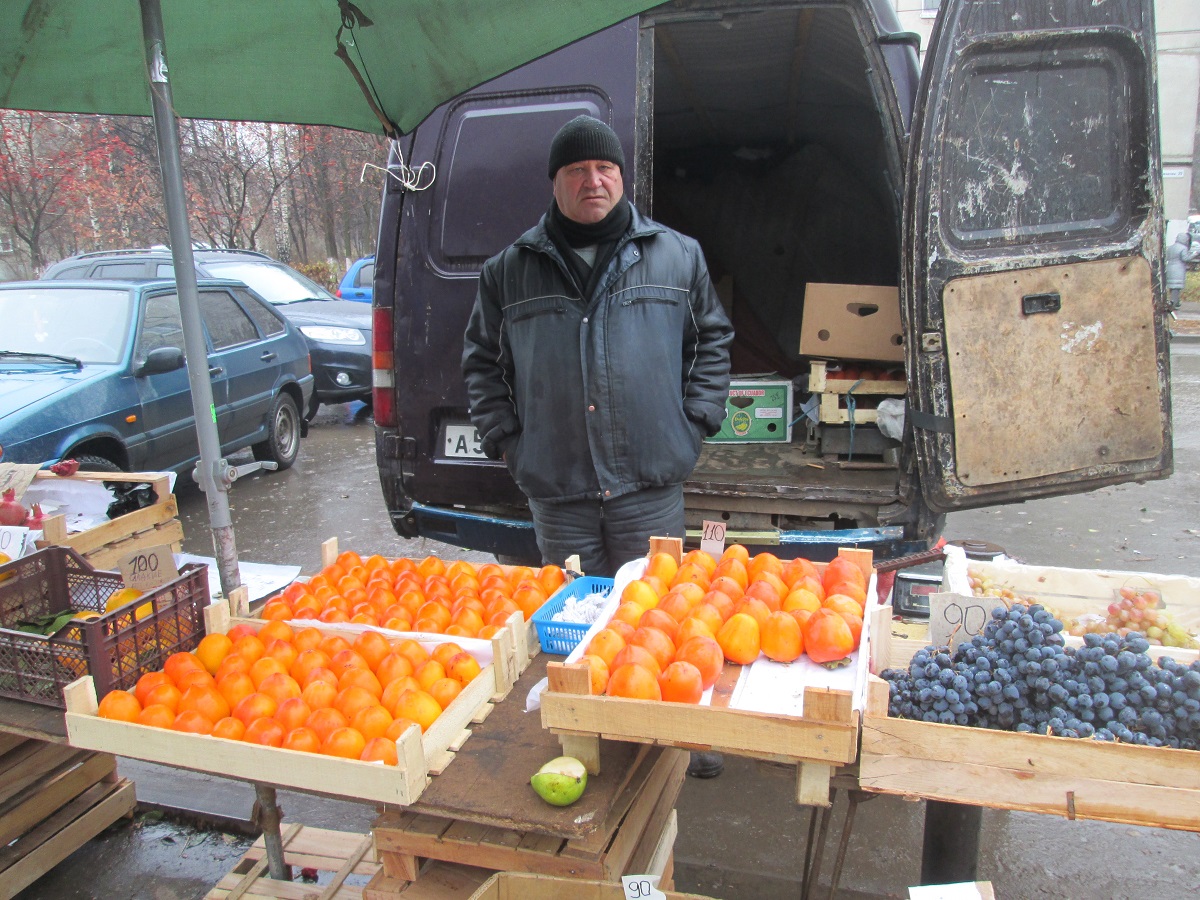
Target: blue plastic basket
[562,637]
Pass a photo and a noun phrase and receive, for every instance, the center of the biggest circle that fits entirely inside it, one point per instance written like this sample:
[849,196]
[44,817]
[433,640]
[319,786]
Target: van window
[492,174]
[1042,148]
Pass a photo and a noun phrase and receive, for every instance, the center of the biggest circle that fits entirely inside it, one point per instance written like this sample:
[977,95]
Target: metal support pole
[950,852]
[210,471]
[268,816]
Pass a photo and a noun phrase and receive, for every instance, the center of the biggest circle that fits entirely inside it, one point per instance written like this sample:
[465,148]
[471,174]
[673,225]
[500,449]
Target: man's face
[587,191]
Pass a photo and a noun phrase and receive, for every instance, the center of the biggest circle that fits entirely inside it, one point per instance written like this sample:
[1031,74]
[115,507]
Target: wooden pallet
[421,755]
[454,881]
[53,799]
[342,855]
[833,392]
[404,839]
[104,545]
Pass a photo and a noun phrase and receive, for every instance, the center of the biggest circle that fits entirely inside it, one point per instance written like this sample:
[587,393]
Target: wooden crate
[522,886]
[105,544]
[343,854]
[1075,592]
[823,737]
[404,839]
[53,799]
[1072,777]
[421,755]
[834,390]
[440,880]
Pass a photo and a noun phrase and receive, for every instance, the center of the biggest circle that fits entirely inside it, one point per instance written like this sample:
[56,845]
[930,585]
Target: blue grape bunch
[1018,675]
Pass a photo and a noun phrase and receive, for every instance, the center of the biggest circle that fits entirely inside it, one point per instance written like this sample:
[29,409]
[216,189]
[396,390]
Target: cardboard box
[852,321]
[757,411]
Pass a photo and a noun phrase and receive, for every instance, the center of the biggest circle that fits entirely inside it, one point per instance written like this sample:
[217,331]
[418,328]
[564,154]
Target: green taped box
[758,411]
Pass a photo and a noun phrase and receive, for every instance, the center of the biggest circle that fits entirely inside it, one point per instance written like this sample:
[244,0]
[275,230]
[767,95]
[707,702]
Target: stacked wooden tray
[53,800]
[835,389]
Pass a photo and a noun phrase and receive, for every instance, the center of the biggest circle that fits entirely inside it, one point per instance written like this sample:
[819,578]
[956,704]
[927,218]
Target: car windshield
[88,324]
[275,283]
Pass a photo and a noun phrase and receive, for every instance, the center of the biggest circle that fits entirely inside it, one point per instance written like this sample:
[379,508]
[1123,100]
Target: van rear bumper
[515,538]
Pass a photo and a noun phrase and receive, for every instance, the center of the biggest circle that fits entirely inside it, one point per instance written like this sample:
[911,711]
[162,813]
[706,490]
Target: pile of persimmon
[301,690]
[677,625]
[456,598]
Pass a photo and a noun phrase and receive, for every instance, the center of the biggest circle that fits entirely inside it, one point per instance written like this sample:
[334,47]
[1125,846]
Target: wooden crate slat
[341,852]
[29,762]
[647,818]
[744,733]
[38,851]
[54,791]
[1033,754]
[1073,797]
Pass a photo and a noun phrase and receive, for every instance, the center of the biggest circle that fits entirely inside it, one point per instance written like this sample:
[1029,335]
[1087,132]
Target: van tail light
[383,370]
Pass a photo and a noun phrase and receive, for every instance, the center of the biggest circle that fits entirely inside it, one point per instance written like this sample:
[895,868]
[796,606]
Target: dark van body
[1012,194]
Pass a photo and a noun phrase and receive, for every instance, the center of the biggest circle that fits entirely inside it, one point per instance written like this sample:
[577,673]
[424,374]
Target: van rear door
[1032,285]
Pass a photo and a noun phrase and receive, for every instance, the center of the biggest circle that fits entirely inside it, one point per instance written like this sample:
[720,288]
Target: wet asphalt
[741,836]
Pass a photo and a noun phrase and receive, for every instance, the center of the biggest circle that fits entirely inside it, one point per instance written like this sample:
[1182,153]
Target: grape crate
[1016,718]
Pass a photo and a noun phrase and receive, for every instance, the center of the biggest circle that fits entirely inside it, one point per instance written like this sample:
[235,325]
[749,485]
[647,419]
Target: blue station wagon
[96,372]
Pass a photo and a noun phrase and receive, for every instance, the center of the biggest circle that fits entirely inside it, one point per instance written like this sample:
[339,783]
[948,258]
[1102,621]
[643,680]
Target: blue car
[359,281]
[95,372]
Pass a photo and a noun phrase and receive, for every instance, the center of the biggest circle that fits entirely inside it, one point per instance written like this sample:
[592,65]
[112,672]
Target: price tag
[16,476]
[712,538]
[641,887]
[148,569]
[14,540]
[954,618]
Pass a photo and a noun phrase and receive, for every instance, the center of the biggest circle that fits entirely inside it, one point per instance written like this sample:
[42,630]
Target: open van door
[1038,351]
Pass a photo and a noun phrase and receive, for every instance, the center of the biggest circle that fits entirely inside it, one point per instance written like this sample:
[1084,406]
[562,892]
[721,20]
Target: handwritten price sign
[148,569]
[641,887]
[954,618]
[13,540]
[712,538]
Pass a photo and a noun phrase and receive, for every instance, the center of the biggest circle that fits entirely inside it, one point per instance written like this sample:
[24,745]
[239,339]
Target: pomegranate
[11,511]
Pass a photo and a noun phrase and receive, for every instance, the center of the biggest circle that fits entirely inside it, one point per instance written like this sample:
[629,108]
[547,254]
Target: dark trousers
[607,533]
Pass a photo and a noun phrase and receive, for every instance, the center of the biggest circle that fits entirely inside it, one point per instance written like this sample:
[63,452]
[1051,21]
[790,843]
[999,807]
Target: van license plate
[462,442]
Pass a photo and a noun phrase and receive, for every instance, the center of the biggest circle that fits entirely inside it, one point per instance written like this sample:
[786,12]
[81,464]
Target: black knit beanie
[585,138]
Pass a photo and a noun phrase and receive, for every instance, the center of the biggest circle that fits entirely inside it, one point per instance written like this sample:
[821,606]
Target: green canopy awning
[274,60]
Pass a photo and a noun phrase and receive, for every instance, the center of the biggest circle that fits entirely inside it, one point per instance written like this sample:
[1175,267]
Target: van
[1007,197]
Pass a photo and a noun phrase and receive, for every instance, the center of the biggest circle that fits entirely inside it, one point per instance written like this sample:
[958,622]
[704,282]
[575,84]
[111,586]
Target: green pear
[561,781]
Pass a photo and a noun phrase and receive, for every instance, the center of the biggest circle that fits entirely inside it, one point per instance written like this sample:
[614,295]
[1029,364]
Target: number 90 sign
[954,618]
[641,887]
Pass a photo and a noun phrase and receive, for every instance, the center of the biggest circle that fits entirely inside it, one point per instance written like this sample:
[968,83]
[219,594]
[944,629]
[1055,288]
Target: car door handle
[215,370]
[267,356]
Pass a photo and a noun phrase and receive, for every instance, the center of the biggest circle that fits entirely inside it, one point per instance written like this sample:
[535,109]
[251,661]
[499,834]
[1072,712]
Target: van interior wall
[769,150]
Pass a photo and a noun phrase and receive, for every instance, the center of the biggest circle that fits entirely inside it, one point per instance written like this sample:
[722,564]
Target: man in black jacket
[597,361]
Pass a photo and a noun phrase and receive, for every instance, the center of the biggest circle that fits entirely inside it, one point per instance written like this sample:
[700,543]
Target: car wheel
[282,445]
[89,463]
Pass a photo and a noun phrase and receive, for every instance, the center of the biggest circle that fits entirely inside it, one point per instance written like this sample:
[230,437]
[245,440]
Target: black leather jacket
[603,396]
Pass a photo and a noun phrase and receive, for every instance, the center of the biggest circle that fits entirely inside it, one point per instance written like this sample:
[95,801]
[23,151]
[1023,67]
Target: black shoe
[705,765]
